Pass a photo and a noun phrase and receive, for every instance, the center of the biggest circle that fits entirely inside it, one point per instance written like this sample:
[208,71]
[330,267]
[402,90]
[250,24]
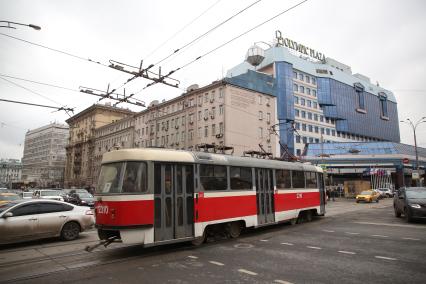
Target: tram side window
[213,177]
[134,178]
[311,179]
[241,178]
[109,178]
[298,178]
[283,179]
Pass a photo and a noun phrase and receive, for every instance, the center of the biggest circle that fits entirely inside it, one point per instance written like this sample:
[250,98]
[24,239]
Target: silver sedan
[25,220]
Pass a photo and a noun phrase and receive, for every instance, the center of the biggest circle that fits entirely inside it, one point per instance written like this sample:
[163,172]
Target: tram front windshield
[122,177]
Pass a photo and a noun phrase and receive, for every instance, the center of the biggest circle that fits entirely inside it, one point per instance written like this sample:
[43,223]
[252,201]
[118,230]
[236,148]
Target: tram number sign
[102,209]
[299,195]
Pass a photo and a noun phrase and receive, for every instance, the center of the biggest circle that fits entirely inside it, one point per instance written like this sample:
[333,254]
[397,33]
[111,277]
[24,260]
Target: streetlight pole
[414,127]
[9,25]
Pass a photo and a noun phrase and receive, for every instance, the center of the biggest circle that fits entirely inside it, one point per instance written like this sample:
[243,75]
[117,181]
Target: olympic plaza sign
[298,47]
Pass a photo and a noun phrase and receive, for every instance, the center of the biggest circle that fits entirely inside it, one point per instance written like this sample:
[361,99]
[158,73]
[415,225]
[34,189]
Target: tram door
[321,187]
[264,196]
[174,203]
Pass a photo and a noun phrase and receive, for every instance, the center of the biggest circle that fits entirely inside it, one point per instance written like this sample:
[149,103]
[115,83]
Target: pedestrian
[333,193]
[328,194]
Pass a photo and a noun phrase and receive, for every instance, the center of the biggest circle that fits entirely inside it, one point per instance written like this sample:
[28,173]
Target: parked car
[385,192]
[6,197]
[81,198]
[410,202]
[48,194]
[27,195]
[24,220]
[368,196]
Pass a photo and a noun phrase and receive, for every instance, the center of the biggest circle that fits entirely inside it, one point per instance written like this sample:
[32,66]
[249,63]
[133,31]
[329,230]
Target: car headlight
[417,206]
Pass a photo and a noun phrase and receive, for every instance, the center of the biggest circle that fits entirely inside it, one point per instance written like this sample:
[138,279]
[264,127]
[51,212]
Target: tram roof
[170,155]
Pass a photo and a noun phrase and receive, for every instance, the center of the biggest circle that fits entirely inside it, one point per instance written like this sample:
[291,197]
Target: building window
[314,81]
[302,101]
[221,109]
[300,76]
[260,99]
[333,132]
[298,152]
[322,130]
[315,117]
[316,129]
[297,125]
[221,91]
[309,103]
[294,74]
[314,93]
[383,104]
[296,113]
[206,113]
[297,139]
[295,87]
[315,105]
[199,132]
[301,89]
[327,131]
[296,100]
[311,140]
[260,132]
[303,126]
[310,115]
[213,129]
[200,100]
[268,117]
[303,114]
[260,115]
[308,91]
[206,131]
[308,79]
[206,97]
[310,128]
[221,128]
[199,115]
[305,140]
[321,118]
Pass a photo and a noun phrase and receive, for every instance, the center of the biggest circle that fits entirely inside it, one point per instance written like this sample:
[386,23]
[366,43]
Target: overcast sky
[384,40]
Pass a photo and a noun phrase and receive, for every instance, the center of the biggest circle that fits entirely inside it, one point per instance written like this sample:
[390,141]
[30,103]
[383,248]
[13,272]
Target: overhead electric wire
[181,30]
[226,43]
[40,83]
[56,50]
[32,104]
[206,33]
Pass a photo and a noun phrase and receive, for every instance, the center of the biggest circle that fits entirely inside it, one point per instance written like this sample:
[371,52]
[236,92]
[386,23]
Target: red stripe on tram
[125,213]
[291,201]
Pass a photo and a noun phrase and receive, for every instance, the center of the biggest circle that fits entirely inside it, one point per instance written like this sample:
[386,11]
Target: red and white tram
[157,196]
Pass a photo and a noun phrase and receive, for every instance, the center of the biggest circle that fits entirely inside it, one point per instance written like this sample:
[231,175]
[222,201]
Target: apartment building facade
[43,162]
[80,150]
[10,172]
[227,114]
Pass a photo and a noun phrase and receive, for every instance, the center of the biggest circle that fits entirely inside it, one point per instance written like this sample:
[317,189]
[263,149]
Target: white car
[385,192]
[25,220]
[48,194]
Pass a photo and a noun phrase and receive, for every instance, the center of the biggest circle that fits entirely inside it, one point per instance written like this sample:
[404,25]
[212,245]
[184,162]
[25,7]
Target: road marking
[411,239]
[264,240]
[391,225]
[346,252]
[384,257]
[328,231]
[380,236]
[217,263]
[193,257]
[351,233]
[282,281]
[247,272]
[313,247]
[287,244]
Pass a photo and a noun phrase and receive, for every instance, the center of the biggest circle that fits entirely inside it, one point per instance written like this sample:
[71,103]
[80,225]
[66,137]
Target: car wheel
[407,215]
[397,213]
[70,231]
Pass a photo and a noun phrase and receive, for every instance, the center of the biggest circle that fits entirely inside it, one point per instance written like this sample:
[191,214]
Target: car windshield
[50,193]
[416,193]
[5,206]
[85,195]
[366,192]
[9,197]
[129,177]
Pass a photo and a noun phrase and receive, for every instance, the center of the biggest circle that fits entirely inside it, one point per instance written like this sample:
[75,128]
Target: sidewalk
[343,205]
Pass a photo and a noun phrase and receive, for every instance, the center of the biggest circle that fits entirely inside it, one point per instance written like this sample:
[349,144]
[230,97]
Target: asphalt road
[355,243]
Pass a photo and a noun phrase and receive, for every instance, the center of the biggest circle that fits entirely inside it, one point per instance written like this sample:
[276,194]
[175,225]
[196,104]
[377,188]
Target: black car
[410,202]
[81,198]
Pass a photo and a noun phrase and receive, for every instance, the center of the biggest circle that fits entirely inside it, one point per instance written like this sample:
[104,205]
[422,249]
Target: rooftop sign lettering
[298,47]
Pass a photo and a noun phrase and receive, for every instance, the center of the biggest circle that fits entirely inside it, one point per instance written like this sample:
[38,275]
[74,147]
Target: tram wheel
[293,221]
[308,216]
[234,229]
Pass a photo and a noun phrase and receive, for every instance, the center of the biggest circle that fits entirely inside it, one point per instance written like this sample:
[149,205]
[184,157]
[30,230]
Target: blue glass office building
[323,100]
